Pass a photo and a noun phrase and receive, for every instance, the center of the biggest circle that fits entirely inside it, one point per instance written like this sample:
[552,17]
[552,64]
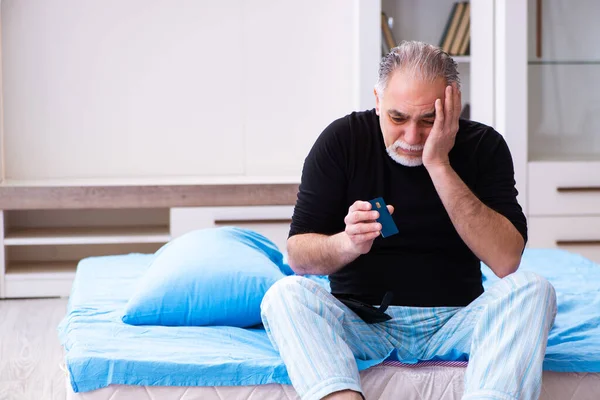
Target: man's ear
[376,102]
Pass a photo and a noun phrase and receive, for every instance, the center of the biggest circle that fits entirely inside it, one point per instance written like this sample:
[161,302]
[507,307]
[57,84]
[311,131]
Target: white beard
[404,160]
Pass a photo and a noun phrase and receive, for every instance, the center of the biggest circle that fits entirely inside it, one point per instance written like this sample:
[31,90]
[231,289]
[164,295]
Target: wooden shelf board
[155,181]
[545,157]
[99,235]
[563,62]
[40,270]
[17,197]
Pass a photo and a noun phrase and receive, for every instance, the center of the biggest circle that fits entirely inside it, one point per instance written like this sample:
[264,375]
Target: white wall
[367,51]
[299,78]
[148,88]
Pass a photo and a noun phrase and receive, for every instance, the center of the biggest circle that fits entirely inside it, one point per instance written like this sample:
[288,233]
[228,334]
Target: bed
[108,359]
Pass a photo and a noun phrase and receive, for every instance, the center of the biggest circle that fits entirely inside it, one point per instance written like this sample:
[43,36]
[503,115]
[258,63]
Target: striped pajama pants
[504,332]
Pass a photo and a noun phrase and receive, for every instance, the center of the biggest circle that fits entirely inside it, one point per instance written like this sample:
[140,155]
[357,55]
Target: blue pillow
[212,276]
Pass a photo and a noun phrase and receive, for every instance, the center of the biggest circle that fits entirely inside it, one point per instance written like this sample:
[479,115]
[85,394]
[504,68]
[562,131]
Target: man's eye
[428,122]
[398,120]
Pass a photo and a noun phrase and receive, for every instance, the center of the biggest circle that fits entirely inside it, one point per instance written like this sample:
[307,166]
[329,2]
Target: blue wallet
[388,226]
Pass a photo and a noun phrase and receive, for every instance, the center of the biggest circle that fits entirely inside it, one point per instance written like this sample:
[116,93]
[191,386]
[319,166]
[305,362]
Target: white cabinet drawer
[42,287]
[575,234]
[564,188]
[271,221]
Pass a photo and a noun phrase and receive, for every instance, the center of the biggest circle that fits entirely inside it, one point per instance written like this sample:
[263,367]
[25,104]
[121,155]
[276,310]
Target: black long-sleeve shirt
[427,264]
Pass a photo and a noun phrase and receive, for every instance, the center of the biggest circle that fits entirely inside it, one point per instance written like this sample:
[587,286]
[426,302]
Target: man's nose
[411,134]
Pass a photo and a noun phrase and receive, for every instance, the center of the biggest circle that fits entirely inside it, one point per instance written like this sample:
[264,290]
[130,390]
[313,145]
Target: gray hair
[423,60]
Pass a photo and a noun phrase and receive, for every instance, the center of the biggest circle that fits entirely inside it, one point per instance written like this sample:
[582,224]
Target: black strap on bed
[387,300]
[367,312]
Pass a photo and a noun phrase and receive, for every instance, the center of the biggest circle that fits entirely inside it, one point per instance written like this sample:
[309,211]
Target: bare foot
[344,395]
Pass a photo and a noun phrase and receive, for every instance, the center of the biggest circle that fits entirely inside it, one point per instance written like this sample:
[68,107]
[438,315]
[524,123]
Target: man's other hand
[362,227]
[443,133]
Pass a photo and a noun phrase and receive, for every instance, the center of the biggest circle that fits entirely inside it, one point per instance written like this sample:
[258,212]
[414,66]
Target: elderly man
[450,186]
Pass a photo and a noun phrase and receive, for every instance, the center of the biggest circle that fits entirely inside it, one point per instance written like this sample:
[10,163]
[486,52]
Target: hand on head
[443,133]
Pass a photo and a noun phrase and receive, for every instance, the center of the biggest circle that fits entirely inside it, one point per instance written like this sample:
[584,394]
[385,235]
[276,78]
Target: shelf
[564,62]
[564,157]
[41,270]
[157,181]
[74,236]
[462,59]
[39,279]
[17,197]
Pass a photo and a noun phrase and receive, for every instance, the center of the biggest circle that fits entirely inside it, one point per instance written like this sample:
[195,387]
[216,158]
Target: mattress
[104,355]
[423,381]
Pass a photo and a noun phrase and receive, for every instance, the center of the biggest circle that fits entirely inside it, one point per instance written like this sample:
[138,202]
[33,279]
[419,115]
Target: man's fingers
[365,237]
[457,101]
[360,206]
[449,105]
[356,217]
[438,123]
[360,229]
[390,209]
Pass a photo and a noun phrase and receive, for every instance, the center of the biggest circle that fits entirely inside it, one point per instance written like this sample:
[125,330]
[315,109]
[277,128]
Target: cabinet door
[564,79]
[564,188]
[568,31]
[145,88]
[564,111]
[300,76]
[105,88]
[579,235]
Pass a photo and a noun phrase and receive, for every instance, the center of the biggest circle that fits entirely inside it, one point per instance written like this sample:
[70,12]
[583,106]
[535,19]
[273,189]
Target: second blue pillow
[207,277]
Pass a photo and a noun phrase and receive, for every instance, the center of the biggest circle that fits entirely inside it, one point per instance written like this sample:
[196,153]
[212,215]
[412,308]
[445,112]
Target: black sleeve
[320,206]
[496,181]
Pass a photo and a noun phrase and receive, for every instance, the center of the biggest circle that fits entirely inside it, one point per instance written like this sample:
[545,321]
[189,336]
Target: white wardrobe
[147,94]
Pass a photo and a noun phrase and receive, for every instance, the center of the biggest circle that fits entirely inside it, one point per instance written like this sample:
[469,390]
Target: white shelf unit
[42,247]
[41,279]
[425,21]
[41,270]
[545,103]
[91,235]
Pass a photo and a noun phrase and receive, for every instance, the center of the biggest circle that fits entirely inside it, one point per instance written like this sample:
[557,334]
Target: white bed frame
[379,383]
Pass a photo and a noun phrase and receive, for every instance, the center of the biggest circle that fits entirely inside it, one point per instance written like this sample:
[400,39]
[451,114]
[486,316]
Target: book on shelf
[388,40]
[465,45]
[462,32]
[384,47]
[457,33]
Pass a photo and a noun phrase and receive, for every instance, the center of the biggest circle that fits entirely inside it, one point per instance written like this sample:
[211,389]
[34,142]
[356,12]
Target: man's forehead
[409,106]
[406,113]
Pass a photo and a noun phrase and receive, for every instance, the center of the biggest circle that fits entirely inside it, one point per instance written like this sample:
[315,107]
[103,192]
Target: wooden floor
[30,352]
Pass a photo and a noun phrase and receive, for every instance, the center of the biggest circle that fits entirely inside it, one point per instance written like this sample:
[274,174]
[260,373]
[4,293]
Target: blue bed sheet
[101,350]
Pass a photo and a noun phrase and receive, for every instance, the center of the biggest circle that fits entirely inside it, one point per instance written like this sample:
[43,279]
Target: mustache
[405,146]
